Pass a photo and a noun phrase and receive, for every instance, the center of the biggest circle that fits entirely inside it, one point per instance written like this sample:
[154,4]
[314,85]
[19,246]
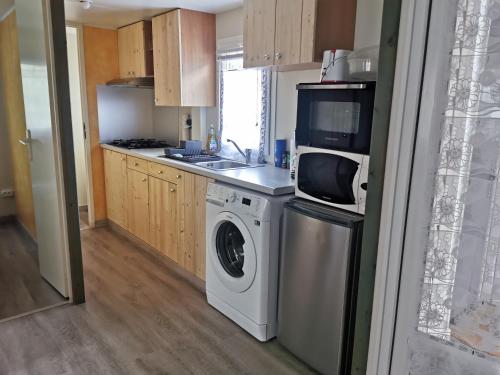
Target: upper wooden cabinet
[184,58]
[289,32]
[135,50]
[259,31]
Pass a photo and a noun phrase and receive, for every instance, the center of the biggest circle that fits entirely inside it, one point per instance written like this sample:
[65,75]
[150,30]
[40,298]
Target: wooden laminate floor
[140,317]
[22,289]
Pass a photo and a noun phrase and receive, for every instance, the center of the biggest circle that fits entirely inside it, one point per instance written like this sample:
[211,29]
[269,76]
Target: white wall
[131,113]
[229,24]
[368,23]
[124,113]
[77,116]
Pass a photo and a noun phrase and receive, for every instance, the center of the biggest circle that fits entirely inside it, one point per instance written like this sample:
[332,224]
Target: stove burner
[139,143]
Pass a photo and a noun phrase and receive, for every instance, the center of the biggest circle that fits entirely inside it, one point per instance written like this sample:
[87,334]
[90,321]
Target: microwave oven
[335,178]
[335,116]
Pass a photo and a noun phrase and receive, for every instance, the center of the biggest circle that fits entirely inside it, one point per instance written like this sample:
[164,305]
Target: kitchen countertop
[267,179]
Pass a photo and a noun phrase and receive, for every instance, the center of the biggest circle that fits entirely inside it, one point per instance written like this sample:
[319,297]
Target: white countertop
[266,179]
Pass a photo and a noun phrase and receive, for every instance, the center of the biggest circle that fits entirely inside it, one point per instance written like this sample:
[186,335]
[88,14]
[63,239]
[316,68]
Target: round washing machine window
[232,252]
[229,243]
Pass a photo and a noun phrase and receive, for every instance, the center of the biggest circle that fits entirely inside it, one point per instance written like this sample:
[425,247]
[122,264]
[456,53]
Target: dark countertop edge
[218,176]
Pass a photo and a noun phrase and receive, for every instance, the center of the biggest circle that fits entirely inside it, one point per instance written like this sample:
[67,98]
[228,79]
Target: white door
[448,314]
[41,141]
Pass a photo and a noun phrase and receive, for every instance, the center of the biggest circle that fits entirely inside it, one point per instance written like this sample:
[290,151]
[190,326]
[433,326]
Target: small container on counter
[279,150]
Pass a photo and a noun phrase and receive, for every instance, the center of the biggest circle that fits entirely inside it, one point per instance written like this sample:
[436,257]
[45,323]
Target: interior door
[41,140]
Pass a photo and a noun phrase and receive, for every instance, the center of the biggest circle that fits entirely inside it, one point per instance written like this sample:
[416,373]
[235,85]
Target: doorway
[40,252]
[78,119]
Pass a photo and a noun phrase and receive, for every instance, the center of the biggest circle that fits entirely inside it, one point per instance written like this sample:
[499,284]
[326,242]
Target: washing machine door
[232,252]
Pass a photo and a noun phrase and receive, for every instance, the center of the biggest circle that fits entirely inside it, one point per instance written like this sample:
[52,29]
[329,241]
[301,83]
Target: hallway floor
[22,289]
[141,317]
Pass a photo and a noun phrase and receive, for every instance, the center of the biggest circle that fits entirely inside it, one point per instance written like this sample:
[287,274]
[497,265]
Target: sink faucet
[247,154]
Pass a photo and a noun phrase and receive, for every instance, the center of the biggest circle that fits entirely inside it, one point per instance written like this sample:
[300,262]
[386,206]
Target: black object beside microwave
[335,116]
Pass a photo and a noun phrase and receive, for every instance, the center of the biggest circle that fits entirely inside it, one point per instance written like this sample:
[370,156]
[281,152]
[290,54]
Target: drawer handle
[172,190]
[160,172]
[178,176]
[144,179]
[136,164]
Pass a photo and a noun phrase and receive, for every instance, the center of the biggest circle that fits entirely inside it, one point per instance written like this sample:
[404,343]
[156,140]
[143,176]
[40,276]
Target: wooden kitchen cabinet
[138,204]
[184,58]
[161,205]
[135,50]
[164,226]
[301,30]
[192,221]
[115,170]
[259,32]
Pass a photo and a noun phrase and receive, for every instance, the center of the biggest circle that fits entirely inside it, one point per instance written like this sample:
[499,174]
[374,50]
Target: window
[244,108]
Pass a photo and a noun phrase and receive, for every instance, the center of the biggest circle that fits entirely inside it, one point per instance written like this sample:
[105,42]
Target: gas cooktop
[132,144]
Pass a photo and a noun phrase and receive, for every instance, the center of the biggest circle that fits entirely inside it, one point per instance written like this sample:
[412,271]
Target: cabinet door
[166,57]
[115,169]
[259,32]
[201,184]
[288,32]
[125,52]
[192,221]
[138,204]
[308,37]
[163,228]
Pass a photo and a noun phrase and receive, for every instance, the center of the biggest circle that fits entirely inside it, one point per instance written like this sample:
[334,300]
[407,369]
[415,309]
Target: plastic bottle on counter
[211,141]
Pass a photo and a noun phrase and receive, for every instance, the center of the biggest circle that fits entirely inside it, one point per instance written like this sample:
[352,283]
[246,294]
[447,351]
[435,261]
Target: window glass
[243,108]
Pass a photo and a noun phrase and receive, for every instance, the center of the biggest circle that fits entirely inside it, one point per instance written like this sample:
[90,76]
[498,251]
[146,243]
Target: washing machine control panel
[237,201]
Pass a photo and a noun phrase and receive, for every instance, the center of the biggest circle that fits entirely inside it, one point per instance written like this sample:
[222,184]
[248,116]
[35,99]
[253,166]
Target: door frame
[412,45]
[85,119]
[65,158]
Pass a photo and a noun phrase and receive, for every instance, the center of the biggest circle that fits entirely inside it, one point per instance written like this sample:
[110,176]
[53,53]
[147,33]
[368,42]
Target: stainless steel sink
[223,165]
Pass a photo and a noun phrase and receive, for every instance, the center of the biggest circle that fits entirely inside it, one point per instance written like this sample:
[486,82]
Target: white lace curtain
[460,294]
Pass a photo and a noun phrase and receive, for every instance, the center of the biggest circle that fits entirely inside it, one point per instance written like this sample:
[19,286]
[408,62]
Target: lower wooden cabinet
[163,220]
[138,204]
[164,207]
[115,170]
[192,220]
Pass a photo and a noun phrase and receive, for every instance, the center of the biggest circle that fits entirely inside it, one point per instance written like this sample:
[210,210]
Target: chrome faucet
[247,154]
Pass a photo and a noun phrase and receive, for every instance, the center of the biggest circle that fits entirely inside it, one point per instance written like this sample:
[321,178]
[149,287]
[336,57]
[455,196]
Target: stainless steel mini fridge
[318,284]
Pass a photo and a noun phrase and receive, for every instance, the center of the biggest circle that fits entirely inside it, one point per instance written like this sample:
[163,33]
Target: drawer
[137,164]
[163,172]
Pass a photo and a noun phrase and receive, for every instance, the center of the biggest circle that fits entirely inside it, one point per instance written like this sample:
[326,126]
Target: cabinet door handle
[266,56]
[160,172]
[172,190]
[278,56]
[144,179]
[136,164]
[178,176]
[123,159]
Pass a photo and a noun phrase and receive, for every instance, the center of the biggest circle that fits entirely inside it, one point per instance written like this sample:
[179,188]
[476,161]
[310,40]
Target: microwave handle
[348,86]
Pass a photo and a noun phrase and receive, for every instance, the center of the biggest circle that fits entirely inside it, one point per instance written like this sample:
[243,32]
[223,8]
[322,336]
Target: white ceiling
[116,13]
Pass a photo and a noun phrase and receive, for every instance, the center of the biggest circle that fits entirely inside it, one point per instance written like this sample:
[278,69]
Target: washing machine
[243,234]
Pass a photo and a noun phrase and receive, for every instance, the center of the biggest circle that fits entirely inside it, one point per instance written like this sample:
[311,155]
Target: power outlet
[7,193]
